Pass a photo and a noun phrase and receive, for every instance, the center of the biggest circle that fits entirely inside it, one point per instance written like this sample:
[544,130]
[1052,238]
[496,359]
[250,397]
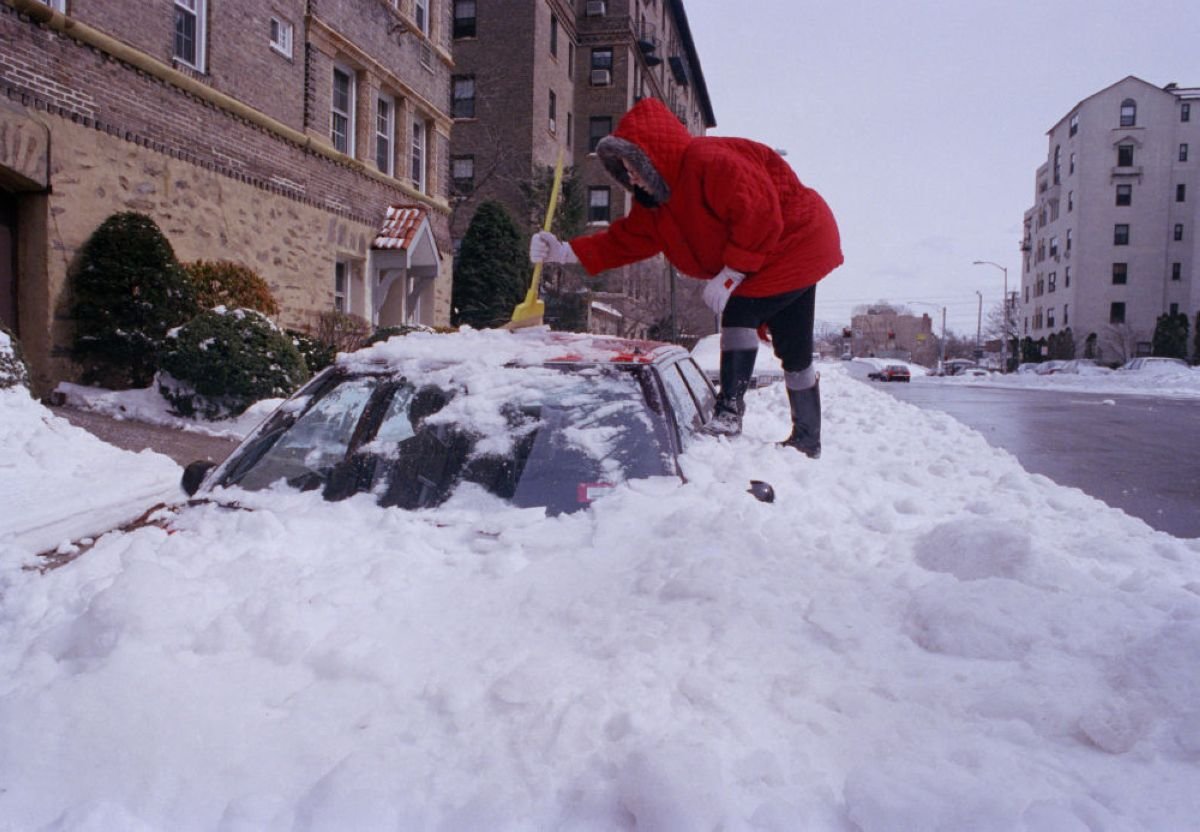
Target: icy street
[917,634]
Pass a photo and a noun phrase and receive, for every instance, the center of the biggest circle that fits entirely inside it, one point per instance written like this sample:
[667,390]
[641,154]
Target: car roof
[532,346]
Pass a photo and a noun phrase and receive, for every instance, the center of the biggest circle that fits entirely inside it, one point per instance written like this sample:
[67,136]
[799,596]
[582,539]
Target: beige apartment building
[1111,241]
[307,139]
[533,77]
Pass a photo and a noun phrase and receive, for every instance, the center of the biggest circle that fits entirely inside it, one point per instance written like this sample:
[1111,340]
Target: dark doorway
[8,260]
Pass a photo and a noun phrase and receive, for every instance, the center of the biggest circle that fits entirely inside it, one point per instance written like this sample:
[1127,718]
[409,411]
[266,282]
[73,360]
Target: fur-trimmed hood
[653,141]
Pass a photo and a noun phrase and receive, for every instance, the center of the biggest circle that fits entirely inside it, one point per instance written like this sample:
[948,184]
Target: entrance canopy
[405,261]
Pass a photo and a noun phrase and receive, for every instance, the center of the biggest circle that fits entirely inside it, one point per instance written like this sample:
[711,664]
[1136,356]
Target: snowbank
[917,634]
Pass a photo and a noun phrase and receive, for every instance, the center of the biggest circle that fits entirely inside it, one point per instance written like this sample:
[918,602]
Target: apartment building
[307,139]
[1111,240]
[533,77]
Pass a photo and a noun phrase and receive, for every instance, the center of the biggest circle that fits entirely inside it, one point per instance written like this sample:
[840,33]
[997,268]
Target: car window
[687,414]
[315,443]
[702,391]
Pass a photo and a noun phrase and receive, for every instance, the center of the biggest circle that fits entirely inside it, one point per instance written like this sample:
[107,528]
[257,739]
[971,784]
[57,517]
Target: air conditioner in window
[597,8]
[601,77]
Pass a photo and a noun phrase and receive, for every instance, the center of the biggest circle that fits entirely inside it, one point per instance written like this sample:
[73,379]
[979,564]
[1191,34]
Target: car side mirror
[762,491]
[194,474]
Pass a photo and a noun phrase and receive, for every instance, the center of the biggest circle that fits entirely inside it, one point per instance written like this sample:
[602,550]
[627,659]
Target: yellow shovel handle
[554,189]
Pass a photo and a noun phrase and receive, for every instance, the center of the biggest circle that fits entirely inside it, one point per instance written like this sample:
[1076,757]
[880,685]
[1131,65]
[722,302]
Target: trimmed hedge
[232,285]
[220,363]
[127,294]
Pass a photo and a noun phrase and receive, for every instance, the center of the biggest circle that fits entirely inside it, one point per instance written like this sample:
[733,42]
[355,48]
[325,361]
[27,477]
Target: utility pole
[979,328]
[1007,324]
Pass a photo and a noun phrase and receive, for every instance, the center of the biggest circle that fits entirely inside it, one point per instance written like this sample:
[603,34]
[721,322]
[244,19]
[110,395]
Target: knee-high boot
[806,421]
[737,368]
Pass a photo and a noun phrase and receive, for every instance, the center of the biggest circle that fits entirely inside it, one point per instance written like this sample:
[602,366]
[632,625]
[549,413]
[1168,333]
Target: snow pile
[59,483]
[1173,382]
[917,634]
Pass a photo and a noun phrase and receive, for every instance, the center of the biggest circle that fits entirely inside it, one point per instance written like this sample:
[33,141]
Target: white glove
[546,248]
[718,290]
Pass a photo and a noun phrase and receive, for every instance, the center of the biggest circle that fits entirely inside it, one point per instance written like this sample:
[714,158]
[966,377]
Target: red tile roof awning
[400,227]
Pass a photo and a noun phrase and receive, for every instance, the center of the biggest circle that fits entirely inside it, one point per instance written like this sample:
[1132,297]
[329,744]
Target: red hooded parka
[732,202]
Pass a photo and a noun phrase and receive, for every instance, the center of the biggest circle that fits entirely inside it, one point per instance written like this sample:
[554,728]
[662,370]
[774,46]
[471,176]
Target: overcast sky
[922,123]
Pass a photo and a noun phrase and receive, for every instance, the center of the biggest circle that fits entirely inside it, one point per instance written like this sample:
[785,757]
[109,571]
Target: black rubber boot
[737,368]
[806,421]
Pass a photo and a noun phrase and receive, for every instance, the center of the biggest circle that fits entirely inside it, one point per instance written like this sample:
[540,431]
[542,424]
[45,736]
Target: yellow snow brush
[529,312]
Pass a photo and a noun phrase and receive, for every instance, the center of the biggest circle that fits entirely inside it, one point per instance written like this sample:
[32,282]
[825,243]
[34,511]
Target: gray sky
[922,123]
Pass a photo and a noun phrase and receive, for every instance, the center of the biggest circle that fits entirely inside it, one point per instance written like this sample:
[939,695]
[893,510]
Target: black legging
[789,318]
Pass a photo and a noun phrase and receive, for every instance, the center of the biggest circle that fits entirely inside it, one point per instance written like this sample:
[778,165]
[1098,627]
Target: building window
[1066,315]
[1183,150]
[462,103]
[189,33]
[1181,192]
[1116,313]
[1074,125]
[464,18]
[342,111]
[1070,201]
[462,171]
[1071,165]
[281,36]
[1067,278]
[1027,294]
[1128,113]
[1039,288]
[1178,231]
[1050,317]
[1069,239]
[385,128]
[341,286]
[1185,111]
[1121,234]
[570,60]
[1057,165]
[554,35]
[598,204]
[418,155]
[421,13]
[570,129]
[1054,246]
[1177,271]
[1173,309]
[598,128]
[1124,194]
[1124,155]
[1120,274]
[1051,280]
[602,63]
[552,112]
[57,5]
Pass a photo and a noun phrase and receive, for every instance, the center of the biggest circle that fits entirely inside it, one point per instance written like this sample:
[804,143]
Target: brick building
[532,77]
[307,139]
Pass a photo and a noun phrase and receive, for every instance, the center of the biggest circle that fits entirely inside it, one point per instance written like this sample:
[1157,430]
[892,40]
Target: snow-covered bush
[317,354]
[13,369]
[221,362]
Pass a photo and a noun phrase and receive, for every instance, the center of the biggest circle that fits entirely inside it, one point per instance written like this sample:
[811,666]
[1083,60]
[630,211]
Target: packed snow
[917,634]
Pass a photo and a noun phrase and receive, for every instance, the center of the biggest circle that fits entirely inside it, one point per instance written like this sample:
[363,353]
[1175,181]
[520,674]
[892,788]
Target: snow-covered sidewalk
[917,634]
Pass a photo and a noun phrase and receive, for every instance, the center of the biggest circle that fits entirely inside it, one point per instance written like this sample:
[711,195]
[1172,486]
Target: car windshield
[556,439]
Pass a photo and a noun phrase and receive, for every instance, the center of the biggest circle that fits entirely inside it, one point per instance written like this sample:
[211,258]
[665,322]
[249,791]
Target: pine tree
[1170,336]
[493,270]
[128,293]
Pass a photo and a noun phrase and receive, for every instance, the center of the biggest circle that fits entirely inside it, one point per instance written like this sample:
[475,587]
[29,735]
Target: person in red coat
[730,211]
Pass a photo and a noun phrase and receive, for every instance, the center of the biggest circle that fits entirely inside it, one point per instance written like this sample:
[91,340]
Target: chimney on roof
[1171,86]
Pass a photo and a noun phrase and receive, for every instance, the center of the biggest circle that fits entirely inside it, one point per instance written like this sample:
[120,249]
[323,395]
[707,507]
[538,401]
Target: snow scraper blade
[529,312]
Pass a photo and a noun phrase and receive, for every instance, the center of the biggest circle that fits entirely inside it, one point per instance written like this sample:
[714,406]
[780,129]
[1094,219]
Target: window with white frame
[281,36]
[341,286]
[462,96]
[418,155]
[462,171]
[421,12]
[598,204]
[385,129]
[189,32]
[552,112]
[57,5]
[341,127]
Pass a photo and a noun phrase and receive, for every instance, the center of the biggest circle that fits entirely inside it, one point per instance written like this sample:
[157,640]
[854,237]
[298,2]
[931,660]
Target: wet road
[181,446]
[1137,453]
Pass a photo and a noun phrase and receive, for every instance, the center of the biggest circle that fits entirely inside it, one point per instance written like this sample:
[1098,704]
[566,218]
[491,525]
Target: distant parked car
[1155,364]
[1049,368]
[1083,367]
[891,372]
[707,354]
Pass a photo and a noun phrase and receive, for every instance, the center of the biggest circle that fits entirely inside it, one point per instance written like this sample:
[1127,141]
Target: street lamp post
[1007,322]
[979,328]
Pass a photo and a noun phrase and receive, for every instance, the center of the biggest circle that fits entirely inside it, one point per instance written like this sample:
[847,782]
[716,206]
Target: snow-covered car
[767,369]
[1155,364]
[535,418]
[1083,367]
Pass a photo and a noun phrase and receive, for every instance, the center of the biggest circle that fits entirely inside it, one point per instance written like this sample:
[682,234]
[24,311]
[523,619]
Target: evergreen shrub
[14,371]
[128,292]
[493,270]
[220,363]
[317,354]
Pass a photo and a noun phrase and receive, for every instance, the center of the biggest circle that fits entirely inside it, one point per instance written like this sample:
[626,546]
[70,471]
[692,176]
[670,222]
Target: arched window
[1128,113]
